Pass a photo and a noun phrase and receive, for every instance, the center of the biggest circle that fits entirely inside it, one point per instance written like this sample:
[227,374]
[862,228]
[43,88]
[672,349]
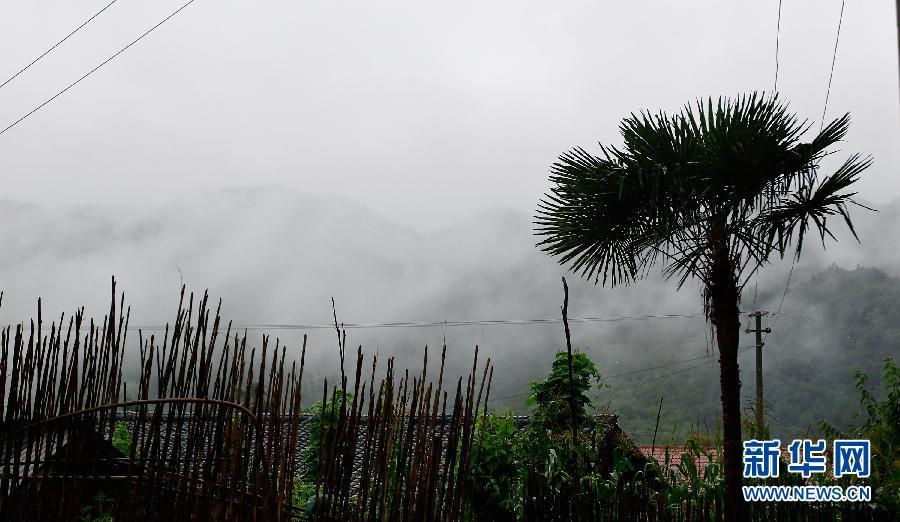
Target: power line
[842,324]
[663,376]
[57,44]
[644,370]
[444,324]
[777,45]
[755,289]
[104,62]
[775,91]
[837,40]
[675,372]
[787,285]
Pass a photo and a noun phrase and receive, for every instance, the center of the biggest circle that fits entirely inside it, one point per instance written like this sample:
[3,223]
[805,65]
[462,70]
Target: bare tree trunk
[722,300]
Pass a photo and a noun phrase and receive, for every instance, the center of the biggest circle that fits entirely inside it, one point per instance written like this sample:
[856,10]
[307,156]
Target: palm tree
[710,193]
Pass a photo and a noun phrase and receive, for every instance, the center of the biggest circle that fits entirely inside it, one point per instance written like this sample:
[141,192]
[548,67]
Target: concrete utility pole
[760,403]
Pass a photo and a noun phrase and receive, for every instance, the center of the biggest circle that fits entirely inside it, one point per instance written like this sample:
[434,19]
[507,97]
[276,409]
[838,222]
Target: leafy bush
[557,463]
[121,439]
[882,428]
[101,510]
[322,428]
[555,395]
[494,488]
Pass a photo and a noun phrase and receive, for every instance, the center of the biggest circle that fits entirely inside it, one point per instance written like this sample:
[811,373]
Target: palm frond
[612,216]
[810,206]
[609,217]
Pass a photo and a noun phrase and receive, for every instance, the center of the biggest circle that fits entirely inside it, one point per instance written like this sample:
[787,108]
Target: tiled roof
[676,453]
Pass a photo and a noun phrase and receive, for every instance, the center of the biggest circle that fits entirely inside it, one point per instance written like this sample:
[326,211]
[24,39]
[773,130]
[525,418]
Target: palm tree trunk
[722,298]
[730,382]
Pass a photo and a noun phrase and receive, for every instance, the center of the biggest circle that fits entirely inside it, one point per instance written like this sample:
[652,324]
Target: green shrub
[322,428]
[121,439]
[101,510]
[882,428]
[494,488]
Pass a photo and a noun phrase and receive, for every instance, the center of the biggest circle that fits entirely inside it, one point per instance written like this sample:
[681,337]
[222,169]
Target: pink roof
[675,453]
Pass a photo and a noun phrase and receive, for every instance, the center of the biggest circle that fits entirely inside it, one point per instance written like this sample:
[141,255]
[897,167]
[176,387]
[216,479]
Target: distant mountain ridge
[279,256]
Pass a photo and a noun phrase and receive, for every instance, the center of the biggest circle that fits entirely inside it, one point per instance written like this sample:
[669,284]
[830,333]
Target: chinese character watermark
[807,457]
[761,458]
[852,457]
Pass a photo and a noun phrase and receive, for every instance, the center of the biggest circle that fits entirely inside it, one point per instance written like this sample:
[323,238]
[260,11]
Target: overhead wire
[706,357]
[787,285]
[651,368]
[57,44]
[842,324]
[837,40]
[104,62]
[775,91]
[674,372]
[777,45]
[660,377]
[444,324]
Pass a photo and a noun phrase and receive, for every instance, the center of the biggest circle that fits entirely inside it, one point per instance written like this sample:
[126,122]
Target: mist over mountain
[277,257]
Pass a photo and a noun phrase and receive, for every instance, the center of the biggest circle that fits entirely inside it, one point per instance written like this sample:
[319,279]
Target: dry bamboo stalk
[391,455]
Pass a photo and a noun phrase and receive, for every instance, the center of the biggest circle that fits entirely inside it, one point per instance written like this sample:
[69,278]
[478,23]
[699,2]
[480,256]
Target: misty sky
[426,112]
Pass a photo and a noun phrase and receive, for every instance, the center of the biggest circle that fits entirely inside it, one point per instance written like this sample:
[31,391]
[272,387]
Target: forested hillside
[838,321]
